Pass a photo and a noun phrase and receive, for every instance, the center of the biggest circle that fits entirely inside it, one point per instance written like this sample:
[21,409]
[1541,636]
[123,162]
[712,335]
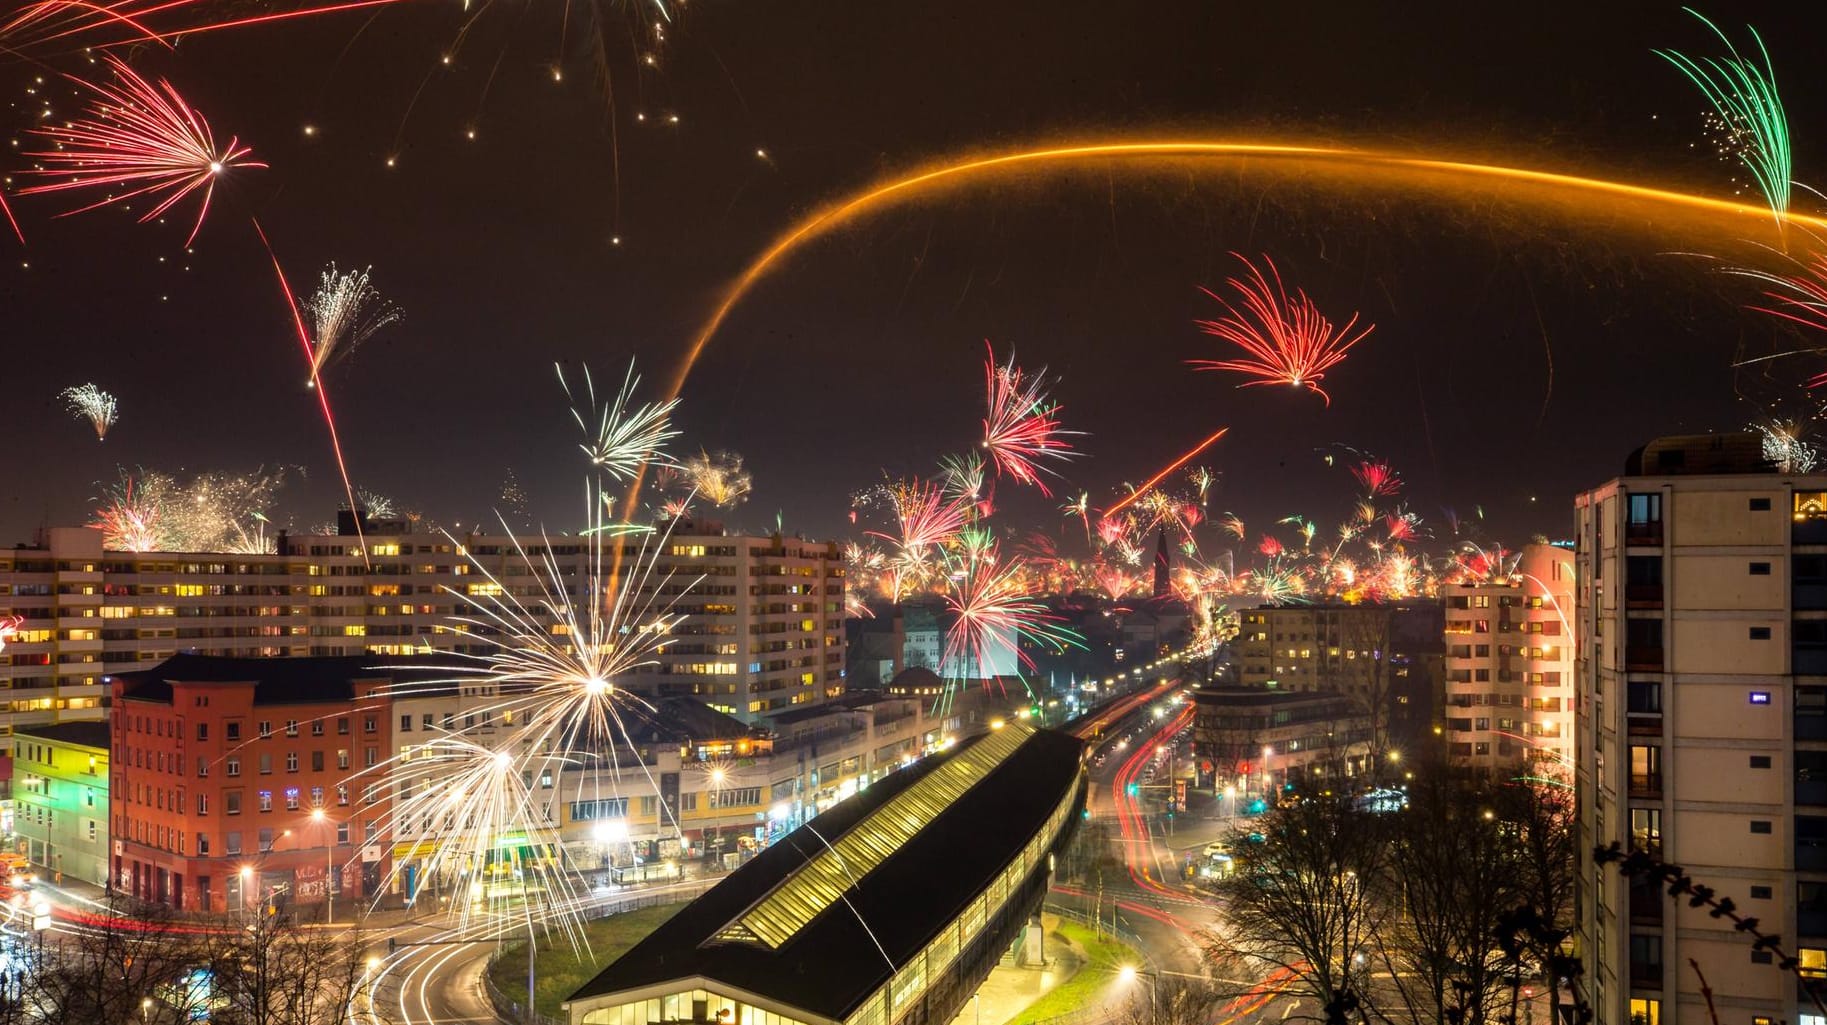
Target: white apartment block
[1509,666]
[689,782]
[1702,738]
[762,631]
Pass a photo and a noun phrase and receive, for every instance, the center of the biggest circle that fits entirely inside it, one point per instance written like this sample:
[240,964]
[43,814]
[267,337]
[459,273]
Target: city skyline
[1488,314]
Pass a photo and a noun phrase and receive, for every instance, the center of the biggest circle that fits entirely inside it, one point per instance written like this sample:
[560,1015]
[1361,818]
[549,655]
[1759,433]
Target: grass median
[558,970]
[1090,984]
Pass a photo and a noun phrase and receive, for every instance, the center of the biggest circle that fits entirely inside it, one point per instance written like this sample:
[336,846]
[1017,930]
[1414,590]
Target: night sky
[1517,357]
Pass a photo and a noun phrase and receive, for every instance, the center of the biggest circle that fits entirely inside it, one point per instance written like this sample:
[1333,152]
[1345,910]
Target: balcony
[1642,658]
[1645,904]
[1808,660]
[1646,974]
[1811,791]
[1809,595]
[1811,922]
[1811,854]
[1646,784]
[1809,531]
[1649,533]
[1643,596]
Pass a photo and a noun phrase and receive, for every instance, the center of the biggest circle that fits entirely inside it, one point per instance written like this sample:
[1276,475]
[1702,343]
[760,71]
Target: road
[433,976]
[1165,914]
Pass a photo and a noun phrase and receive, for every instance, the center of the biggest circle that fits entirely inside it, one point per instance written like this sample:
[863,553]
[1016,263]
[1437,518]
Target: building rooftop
[1698,454]
[1259,697]
[318,679]
[915,678]
[84,734]
[278,681]
[904,856]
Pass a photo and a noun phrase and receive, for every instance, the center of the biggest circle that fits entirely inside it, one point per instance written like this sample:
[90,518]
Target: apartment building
[1261,740]
[683,782]
[234,782]
[1509,664]
[762,627]
[1702,735]
[60,798]
[1385,657]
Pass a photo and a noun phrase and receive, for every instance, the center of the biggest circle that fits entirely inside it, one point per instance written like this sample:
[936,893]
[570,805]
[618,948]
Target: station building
[889,909]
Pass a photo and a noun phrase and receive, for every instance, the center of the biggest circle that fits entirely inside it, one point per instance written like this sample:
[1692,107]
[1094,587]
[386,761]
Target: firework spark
[994,615]
[1798,295]
[1785,449]
[140,137]
[1377,478]
[1169,468]
[90,403]
[1287,337]
[80,24]
[556,655]
[1021,426]
[128,521]
[345,311]
[212,512]
[718,478]
[623,438]
[1743,95]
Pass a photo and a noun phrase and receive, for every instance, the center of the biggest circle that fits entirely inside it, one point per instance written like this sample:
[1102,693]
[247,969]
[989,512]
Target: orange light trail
[1736,219]
[1171,467]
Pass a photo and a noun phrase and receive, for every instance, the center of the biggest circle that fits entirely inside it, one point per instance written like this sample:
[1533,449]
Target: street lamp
[1268,778]
[716,808]
[1128,974]
[318,816]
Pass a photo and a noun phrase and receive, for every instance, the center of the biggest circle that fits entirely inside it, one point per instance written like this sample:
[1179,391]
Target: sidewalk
[1010,990]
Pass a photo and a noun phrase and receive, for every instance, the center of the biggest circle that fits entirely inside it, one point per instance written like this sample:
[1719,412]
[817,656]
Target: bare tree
[116,969]
[1543,816]
[1302,902]
[270,972]
[1170,1000]
[1452,875]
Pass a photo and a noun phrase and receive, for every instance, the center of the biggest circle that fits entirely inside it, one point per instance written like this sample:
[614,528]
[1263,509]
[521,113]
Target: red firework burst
[926,517]
[995,617]
[1377,478]
[141,137]
[1799,297]
[1287,337]
[1022,426]
[77,24]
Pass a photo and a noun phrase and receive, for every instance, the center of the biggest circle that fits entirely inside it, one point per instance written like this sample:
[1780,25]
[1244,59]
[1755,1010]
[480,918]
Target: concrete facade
[1509,665]
[1702,735]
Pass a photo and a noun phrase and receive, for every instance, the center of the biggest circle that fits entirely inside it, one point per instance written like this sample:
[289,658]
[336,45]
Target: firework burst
[1288,339]
[139,137]
[1378,479]
[1743,96]
[1021,426]
[622,438]
[129,522]
[994,615]
[1785,449]
[84,24]
[345,311]
[718,478]
[212,512]
[87,402]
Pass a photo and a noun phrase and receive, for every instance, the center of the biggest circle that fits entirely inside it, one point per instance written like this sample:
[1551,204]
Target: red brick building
[236,781]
